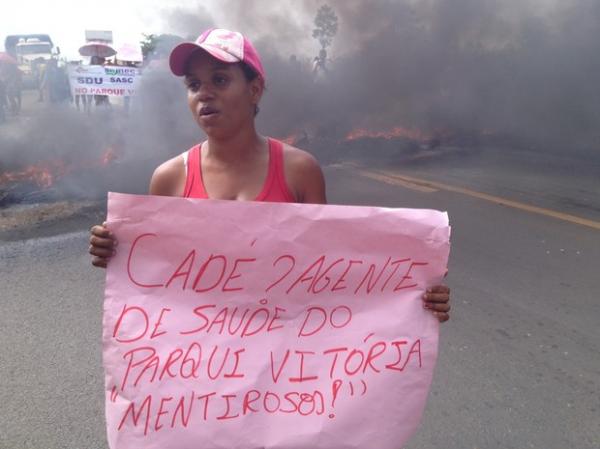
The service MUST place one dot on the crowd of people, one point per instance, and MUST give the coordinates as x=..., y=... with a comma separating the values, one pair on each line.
x=53, y=87
x=52, y=83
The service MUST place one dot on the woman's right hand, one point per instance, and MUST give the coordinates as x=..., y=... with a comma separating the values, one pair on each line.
x=102, y=245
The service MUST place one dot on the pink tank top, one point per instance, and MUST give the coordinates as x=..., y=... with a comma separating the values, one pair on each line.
x=274, y=190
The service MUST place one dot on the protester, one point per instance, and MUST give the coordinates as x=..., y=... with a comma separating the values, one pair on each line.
x=80, y=100
x=319, y=68
x=40, y=70
x=225, y=81
x=13, y=79
x=100, y=100
x=127, y=98
x=62, y=88
x=3, y=102
x=47, y=78
x=56, y=83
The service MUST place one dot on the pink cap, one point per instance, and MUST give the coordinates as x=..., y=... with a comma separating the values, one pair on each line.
x=224, y=45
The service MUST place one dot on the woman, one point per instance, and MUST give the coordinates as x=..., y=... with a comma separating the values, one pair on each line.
x=225, y=81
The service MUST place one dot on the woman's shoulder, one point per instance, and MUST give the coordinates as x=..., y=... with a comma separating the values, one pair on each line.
x=303, y=175
x=299, y=160
x=168, y=178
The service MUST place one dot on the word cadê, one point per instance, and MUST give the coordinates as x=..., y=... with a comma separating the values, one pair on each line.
x=284, y=273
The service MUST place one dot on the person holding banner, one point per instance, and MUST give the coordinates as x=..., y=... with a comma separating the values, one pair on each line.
x=100, y=100
x=225, y=81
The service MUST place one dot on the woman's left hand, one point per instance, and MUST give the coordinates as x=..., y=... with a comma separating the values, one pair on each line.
x=437, y=299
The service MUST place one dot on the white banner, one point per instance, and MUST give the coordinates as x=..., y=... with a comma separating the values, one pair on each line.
x=114, y=81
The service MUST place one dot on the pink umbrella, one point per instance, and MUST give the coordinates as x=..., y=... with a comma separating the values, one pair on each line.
x=99, y=49
x=130, y=52
x=7, y=59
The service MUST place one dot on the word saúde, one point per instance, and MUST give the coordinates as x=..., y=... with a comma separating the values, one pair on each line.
x=225, y=320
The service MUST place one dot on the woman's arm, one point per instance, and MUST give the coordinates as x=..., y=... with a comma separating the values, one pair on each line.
x=169, y=178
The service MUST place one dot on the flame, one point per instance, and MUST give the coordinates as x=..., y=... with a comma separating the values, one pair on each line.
x=42, y=175
x=45, y=174
x=109, y=156
x=361, y=133
x=291, y=139
x=395, y=132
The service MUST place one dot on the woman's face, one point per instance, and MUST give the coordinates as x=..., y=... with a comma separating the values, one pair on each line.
x=220, y=97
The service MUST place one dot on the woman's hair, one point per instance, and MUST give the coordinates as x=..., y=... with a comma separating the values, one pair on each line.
x=249, y=73
x=250, y=76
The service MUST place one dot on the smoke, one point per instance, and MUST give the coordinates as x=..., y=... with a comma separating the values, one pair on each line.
x=60, y=140
x=188, y=23
x=519, y=72
x=74, y=146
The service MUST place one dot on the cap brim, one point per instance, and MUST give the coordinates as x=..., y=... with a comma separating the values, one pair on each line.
x=182, y=52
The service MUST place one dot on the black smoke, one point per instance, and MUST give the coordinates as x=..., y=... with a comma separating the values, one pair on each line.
x=522, y=73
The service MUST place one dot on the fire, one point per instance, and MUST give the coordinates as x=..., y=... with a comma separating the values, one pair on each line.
x=109, y=156
x=395, y=132
x=361, y=133
x=291, y=139
x=45, y=174
x=42, y=175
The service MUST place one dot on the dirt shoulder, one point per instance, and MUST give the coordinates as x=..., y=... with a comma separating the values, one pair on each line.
x=45, y=219
x=23, y=222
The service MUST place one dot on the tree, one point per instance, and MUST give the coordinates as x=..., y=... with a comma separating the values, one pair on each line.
x=148, y=44
x=159, y=46
x=326, y=23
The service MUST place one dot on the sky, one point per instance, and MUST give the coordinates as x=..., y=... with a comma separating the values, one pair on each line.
x=66, y=21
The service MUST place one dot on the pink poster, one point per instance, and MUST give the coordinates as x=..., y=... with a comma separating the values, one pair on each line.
x=261, y=325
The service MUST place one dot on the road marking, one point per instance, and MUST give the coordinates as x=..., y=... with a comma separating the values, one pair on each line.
x=434, y=186
x=394, y=180
x=384, y=177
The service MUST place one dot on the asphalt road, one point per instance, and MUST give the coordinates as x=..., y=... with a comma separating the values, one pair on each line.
x=519, y=362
